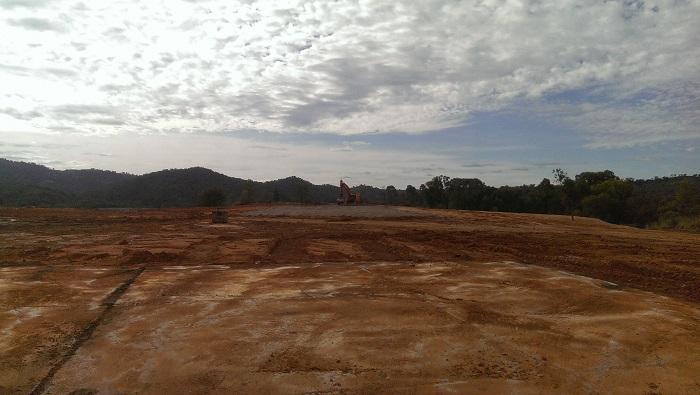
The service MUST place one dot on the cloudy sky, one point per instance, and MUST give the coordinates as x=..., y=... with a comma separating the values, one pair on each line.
x=380, y=92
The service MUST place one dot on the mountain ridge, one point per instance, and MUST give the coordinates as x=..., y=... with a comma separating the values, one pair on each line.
x=30, y=184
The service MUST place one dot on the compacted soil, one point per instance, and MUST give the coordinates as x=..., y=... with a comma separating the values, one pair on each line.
x=327, y=299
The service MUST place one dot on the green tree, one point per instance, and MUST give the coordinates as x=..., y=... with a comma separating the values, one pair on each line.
x=586, y=181
x=568, y=190
x=248, y=192
x=608, y=199
x=683, y=210
x=546, y=197
x=392, y=195
x=303, y=193
x=560, y=176
x=466, y=193
x=412, y=196
x=433, y=192
x=595, y=177
x=213, y=197
x=686, y=201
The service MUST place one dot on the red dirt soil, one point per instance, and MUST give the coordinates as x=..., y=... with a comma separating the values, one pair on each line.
x=417, y=301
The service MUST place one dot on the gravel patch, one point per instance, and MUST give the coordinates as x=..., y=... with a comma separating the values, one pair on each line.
x=333, y=210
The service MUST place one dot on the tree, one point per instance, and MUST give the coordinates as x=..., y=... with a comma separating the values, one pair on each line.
x=683, y=210
x=392, y=195
x=433, y=191
x=686, y=201
x=412, y=196
x=608, y=199
x=546, y=197
x=560, y=176
x=213, y=197
x=568, y=190
x=586, y=181
x=466, y=194
x=303, y=192
x=595, y=177
x=247, y=194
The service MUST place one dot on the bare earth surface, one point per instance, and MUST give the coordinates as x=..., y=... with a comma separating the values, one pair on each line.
x=337, y=211
x=327, y=299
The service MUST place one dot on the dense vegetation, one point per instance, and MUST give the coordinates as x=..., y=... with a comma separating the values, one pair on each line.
x=669, y=202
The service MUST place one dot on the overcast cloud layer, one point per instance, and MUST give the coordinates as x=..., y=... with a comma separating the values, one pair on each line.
x=616, y=74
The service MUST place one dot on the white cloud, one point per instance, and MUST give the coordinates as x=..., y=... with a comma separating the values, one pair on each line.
x=346, y=67
x=640, y=117
x=38, y=24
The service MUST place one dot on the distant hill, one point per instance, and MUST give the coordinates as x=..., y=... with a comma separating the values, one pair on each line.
x=66, y=181
x=28, y=184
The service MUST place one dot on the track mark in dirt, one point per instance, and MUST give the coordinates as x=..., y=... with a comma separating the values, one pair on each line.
x=275, y=245
x=87, y=332
x=39, y=275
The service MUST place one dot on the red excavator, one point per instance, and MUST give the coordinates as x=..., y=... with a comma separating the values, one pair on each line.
x=347, y=196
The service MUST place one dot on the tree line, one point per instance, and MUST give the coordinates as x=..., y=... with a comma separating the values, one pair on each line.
x=668, y=202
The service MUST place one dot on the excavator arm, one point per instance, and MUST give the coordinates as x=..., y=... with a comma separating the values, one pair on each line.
x=347, y=196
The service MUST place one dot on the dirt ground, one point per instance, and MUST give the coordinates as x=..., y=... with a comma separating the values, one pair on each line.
x=361, y=300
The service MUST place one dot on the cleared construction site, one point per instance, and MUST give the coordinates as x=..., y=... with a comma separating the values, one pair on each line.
x=343, y=299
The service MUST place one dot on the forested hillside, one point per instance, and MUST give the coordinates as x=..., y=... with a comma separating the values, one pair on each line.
x=28, y=184
x=67, y=181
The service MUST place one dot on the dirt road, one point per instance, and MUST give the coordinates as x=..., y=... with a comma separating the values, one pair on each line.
x=161, y=301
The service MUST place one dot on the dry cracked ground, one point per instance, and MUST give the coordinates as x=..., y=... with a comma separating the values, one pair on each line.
x=325, y=299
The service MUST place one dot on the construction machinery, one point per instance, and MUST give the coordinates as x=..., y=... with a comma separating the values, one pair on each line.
x=219, y=216
x=347, y=196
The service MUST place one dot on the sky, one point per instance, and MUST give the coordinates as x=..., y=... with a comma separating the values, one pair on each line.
x=376, y=92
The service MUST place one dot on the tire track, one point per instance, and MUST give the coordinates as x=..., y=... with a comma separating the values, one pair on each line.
x=87, y=332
